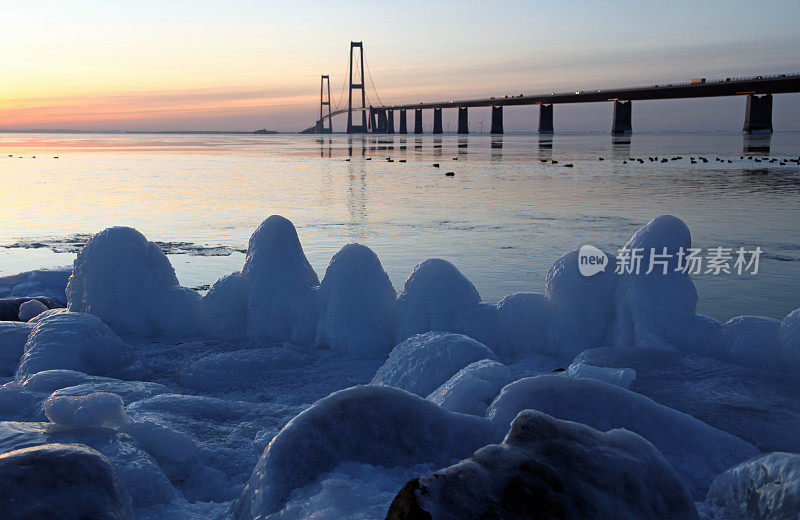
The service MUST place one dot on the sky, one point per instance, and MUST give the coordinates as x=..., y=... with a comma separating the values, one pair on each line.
x=245, y=65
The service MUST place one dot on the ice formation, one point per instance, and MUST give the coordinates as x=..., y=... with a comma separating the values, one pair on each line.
x=522, y=323
x=31, y=309
x=129, y=283
x=90, y=410
x=790, y=341
x=50, y=283
x=356, y=304
x=697, y=451
x=472, y=389
x=375, y=425
x=765, y=487
x=753, y=341
x=547, y=468
x=73, y=341
x=13, y=335
x=423, y=362
x=616, y=376
x=79, y=483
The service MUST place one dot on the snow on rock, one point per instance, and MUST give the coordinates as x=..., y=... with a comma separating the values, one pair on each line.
x=582, y=306
x=73, y=341
x=753, y=341
x=240, y=368
x=473, y=387
x=356, y=304
x=655, y=309
x=50, y=283
x=697, y=451
x=31, y=309
x=622, y=377
x=281, y=302
x=374, y=425
x=423, y=362
x=548, y=468
x=438, y=297
x=522, y=323
x=13, y=335
x=790, y=340
x=144, y=480
x=766, y=487
x=63, y=481
x=130, y=284
x=91, y=410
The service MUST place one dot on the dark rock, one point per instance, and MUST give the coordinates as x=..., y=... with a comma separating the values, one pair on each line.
x=9, y=307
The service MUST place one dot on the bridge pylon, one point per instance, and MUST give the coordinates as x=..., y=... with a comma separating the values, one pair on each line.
x=355, y=128
x=321, y=128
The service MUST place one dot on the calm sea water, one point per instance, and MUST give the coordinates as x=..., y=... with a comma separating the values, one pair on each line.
x=502, y=219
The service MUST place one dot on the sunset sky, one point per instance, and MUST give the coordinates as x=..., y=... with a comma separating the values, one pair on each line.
x=243, y=65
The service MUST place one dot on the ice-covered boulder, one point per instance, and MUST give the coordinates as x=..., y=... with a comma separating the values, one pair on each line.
x=753, y=341
x=13, y=335
x=130, y=284
x=423, y=362
x=373, y=425
x=522, y=323
x=356, y=304
x=438, y=297
x=697, y=451
x=547, y=468
x=225, y=309
x=61, y=481
x=40, y=282
x=281, y=302
x=790, y=340
x=128, y=391
x=73, y=341
x=90, y=410
x=31, y=309
x=473, y=388
x=616, y=376
x=582, y=305
x=766, y=487
x=655, y=309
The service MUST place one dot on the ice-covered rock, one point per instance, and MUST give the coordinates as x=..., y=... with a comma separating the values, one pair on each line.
x=697, y=451
x=423, y=362
x=40, y=282
x=61, y=481
x=473, y=387
x=31, y=309
x=616, y=376
x=522, y=323
x=143, y=478
x=225, y=309
x=281, y=303
x=790, y=340
x=356, y=304
x=582, y=306
x=130, y=284
x=547, y=468
x=9, y=307
x=437, y=297
x=73, y=341
x=374, y=425
x=766, y=487
x=655, y=309
x=753, y=341
x=128, y=391
x=13, y=335
x=90, y=410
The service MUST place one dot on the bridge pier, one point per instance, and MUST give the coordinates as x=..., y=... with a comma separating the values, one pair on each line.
x=463, y=121
x=546, y=118
x=390, y=121
x=403, y=122
x=497, y=119
x=417, y=120
x=622, y=118
x=758, y=116
x=382, y=121
x=437, y=120
x=372, y=122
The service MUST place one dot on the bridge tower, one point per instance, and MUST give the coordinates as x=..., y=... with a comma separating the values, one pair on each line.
x=362, y=128
x=321, y=129
x=758, y=117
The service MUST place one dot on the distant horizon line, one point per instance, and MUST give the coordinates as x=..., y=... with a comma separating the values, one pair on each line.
x=293, y=132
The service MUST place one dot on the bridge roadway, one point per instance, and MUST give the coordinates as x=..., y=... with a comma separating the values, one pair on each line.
x=760, y=85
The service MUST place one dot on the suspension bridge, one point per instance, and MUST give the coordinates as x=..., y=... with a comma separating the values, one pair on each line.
x=365, y=117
